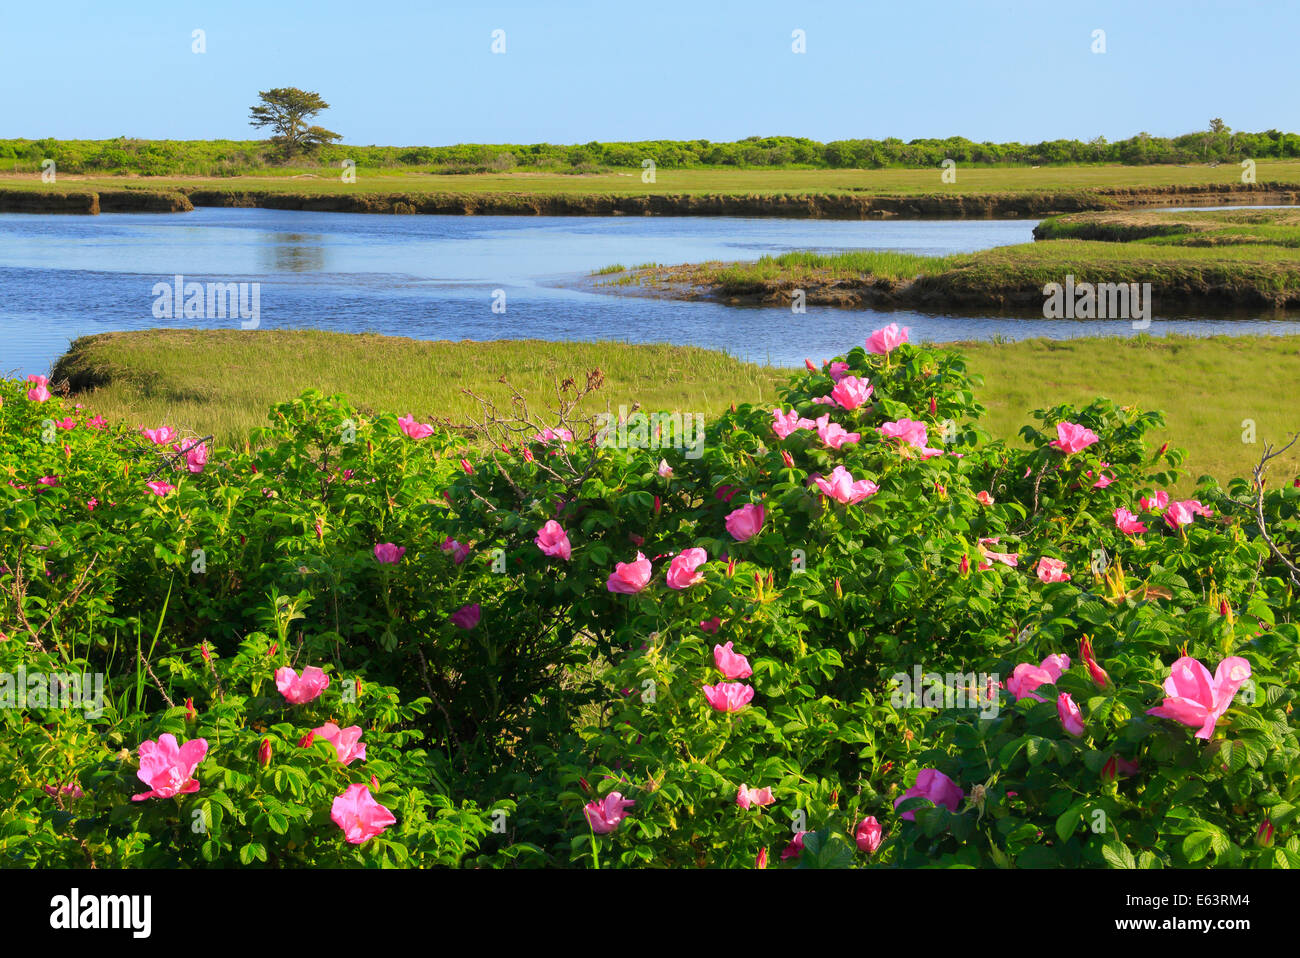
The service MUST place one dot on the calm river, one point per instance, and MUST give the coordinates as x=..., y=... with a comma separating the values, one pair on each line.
x=437, y=277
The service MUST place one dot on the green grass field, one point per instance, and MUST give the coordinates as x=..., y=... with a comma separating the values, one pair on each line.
x=1207, y=387
x=1245, y=256
x=223, y=382
x=972, y=180
x=1243, y=228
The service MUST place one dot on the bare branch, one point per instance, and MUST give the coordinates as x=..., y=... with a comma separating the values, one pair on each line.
x=1292, y=570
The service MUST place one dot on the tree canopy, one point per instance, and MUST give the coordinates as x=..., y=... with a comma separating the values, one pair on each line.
x=286, y=111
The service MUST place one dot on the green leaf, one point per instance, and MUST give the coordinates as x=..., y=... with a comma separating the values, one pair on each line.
x=1117, y=854
x=1038, y=749
x=1067, y=823
x=1011, y=750
x=1195, y=846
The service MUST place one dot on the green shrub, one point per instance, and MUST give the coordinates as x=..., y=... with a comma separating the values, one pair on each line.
x=336, y=540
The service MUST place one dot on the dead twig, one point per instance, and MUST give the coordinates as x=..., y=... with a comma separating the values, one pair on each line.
x=157, y=684
x=176, y=457
x=1292, y=570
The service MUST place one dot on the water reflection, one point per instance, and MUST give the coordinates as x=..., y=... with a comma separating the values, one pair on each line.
x=293, y=253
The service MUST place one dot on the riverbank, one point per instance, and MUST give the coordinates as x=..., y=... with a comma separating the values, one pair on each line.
x=221, y=382
x=1220, y=259
x=997, y=193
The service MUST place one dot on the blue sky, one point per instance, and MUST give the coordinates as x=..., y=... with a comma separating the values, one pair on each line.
x=401, y=73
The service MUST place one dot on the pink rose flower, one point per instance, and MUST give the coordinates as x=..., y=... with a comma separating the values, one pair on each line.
x=910, y=431
x=1195, y=698
x=851, y=392
x=467, y=616
x=682, y=572
x=605, y=815
x=459, y=553
x=554, y=541
x=1155, y=503
x=160, y=488
x=38, y=392
x=1182, y=513
x=629, y=577
x=300, y=689
x=549, y=435
x=869, y=834
x=833, y=435
x=842, y=488
x=389, y=553
x=1103, y=480
x=784, y=423
x=71, y=790
x=747, y=796
x=168, y=769
x=359, y=815
x=416, y=430
x=1011, y=559
x=160, y=436
x=729, y=696
x=1052, y=570
x=1071, y=438
x=731, y=664
x=744, y=523
x=1127, y=523
x=936, y=787
x=1070, y=715
x=196, y=456
x=346, y=741
x=884, y=341
x=1026, y=677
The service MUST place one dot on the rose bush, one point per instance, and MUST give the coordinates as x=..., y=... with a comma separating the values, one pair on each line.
x=545, y=647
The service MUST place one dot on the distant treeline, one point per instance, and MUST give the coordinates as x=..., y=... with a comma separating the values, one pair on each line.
x=234, y=157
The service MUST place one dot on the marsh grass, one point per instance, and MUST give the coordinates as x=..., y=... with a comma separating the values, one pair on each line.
x=1247, y=256
x=223, y=382
x=1202, y=228
x=791, y=267
x=794, y=182
x=1208, y=387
